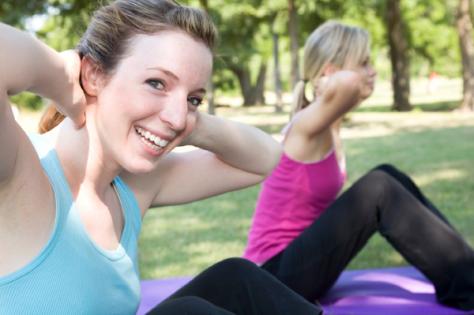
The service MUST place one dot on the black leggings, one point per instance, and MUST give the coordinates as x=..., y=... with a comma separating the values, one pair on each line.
x=235, y=286
x=388, y=201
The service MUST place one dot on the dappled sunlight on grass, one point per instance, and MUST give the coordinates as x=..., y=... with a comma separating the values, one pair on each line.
x=446, y=90
x=442, y=174
x=364, y=125
x=186, y=239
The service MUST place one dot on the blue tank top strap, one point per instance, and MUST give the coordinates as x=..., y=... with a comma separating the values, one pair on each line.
x=62, y=194
x=130, y=206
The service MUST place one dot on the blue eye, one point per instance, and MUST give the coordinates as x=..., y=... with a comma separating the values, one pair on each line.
x=195, y=101
x=156, y=84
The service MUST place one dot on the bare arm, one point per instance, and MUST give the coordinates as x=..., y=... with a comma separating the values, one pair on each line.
x=311, y=134
x=230, y=156
x=27, y=64
x=341, y=94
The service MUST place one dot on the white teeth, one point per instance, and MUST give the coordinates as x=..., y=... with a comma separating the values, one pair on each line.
x=151, y=137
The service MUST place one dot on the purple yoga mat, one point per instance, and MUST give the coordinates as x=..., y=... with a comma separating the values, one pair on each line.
x=389, y=291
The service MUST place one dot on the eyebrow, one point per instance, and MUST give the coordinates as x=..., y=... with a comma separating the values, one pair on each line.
x=175, y=77
x=167, y=72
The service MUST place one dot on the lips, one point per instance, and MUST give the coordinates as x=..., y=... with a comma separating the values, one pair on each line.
x=152, y=140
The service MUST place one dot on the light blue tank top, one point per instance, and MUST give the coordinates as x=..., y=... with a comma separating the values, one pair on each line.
x=72, y=274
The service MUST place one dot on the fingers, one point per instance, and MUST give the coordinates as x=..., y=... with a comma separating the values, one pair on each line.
x=74, y=105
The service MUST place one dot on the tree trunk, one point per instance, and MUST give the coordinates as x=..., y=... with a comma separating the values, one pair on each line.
x=243, y=75
x=211, y=108
x=251, y=94
x=276, y=73
x=294, y=46
x=464, y=27
x=260, y=85
x=398, y=57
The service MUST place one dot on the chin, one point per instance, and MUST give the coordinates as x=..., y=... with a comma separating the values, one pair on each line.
x=140, y=167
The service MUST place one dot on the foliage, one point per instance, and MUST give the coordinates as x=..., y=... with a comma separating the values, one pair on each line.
x=15, y=12
x=245, y=37
x=433, y=38
x=27, y=100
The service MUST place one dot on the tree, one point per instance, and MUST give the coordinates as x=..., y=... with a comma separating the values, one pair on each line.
x=15, y=12
x=276, y=66
x=464, y=27
x=294, y=43
x=398, y=56
x=245, y=46
x=210, y=88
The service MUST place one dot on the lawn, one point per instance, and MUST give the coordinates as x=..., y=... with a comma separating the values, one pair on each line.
x=432, y=144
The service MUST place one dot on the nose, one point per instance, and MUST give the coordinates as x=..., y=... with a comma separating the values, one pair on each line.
x=174, y=113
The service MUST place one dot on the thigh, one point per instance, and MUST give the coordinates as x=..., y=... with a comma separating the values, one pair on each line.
x=239, y=286
x=408, y=183
x=314, y=260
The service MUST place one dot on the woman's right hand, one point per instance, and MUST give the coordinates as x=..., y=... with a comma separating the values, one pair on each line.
x=72, y=104
x=340, y=82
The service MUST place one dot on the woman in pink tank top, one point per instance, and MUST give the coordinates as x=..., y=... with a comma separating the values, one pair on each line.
x=302, y=232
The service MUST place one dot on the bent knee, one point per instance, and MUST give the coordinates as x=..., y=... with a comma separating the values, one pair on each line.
x=236, y=265
x=386, y=167
x=374, y=178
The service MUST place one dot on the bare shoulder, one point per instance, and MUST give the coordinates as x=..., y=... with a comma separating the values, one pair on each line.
x=146, y=186
x=307, y=148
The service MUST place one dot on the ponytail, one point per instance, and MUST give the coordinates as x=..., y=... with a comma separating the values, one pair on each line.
x=299, y=97
x=50, y=119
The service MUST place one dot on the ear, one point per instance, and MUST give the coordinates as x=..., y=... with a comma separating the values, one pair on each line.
x=91, y=77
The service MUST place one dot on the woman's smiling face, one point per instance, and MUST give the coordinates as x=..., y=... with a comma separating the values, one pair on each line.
x=149, y=103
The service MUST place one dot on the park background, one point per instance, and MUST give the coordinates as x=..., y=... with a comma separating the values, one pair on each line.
x=420, y=117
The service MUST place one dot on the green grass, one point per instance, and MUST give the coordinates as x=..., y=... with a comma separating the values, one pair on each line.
x=436, y=148
x=432, y=144
x=439, y=159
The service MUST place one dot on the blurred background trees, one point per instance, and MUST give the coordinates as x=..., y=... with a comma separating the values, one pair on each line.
x=261, y=41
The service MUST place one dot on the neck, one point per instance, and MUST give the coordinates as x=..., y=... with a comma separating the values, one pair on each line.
x=84, y=159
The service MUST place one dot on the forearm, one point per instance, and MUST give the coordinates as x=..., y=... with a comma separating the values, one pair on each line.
x=241, y=146
x=28, y=64
x=341, y=93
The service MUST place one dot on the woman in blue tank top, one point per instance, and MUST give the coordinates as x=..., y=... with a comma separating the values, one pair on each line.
x=70, y=212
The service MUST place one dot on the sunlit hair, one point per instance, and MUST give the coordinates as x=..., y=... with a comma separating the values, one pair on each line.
x=331, y=43
x=112, y=26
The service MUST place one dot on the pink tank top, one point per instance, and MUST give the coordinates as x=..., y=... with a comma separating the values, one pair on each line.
x=291, y=198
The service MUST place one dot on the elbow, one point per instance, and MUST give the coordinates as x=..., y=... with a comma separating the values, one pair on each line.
x=277, y=150
x=272, y=157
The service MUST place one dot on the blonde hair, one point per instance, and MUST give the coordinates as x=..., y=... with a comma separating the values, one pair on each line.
x=106, y=39
x=331, y=43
